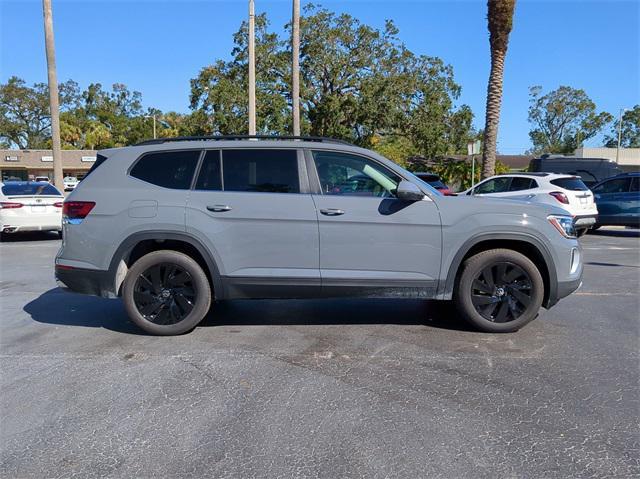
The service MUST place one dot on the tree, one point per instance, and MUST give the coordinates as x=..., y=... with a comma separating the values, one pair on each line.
x=25, y=121
x=500, y=22
x=630, y=137
x=563, y=119
x=357, y=83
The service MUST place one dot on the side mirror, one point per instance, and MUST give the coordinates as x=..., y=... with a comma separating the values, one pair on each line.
x=407, y=191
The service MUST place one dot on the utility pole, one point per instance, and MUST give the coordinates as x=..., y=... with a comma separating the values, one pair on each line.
x=295, y=67
x=252, y=69
x=622, y=110
x=54, y=104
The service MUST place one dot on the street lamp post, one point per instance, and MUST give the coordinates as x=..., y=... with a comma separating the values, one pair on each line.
x=54, y=102
x=622, y=110
x=154, y=124
x=252, y=69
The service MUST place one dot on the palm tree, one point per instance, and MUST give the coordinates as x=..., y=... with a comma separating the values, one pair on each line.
x=500, y=22
x=295, y=67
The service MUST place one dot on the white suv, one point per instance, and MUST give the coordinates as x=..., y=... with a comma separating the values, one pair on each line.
x=566, y=191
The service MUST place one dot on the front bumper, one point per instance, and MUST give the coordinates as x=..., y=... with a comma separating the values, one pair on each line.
x=85, y=281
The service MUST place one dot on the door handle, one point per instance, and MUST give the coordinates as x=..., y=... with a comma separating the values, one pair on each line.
x=219, y=208
x=331, y=212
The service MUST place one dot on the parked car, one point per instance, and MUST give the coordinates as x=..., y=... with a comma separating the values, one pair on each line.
x=30, y=206
x=566, y=191
x=618, y=200
x=42, y=178
x=435, y=181
x=171, y=225
x=70, y=182
x=591, y=170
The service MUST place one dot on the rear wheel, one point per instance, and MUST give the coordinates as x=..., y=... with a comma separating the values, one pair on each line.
x=166, y=293
x=499, y=290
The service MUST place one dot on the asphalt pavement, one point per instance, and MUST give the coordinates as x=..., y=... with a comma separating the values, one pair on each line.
x=333, y=389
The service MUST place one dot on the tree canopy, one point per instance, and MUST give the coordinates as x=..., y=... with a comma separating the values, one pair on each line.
x=630, y=133
x=563, y=119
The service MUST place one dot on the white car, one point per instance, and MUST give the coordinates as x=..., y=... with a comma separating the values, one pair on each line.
x=566, y=191
x=70, y=182
x=30, y=206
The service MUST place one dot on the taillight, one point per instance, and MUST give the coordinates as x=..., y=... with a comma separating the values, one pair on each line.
x=58, y=204
x=9, y=204
x=560, y=196
x=77, y=210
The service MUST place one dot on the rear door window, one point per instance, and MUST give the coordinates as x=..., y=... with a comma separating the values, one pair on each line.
x=210, y=176
x=260, y=170
x=519, y=184
x=496, y=185
x=635, y=184
x=572, y=184
x=169, y=169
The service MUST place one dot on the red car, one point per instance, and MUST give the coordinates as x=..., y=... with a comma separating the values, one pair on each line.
x=436, y=182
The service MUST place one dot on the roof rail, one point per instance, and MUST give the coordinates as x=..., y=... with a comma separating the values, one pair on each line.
x=319, y=139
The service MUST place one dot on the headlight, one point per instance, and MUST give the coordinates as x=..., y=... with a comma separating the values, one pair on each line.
x=564, y=224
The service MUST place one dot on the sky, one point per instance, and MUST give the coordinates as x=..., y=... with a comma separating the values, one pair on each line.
x=156, y=47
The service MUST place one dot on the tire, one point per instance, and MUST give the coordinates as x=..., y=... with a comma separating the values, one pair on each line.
x=581, y=232
x=166, y=293
x=59, y=234
x=514, y=299
x=595, y=228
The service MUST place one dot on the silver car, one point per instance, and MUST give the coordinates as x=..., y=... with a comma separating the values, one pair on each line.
x=173, y=225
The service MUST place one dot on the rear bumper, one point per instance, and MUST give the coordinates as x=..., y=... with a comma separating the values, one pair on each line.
x=585, y=220
x=85, y=281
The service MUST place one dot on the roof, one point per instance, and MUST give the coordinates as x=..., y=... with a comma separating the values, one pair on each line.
x=315, y=139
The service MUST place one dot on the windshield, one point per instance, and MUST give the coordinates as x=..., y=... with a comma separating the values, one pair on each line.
x=30, y=189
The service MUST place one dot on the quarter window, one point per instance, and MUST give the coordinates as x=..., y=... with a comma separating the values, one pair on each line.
x=169, y=169
x=266, y=171
x=350, y=175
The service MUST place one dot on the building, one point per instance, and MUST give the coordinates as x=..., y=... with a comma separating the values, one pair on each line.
x=27, y=164
x=628, y=158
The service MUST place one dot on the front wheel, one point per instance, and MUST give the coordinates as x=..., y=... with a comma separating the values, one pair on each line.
x=166, y=293
x=499, y=291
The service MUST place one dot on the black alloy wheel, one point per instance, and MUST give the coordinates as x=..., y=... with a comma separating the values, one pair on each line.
x=165, y=293
x=502, y=292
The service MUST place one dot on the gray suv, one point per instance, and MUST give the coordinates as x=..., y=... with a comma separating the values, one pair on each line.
x=172, y=225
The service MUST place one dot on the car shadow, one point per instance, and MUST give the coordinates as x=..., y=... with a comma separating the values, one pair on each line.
x=61, y=308
x=618, y=233
x=29, y=236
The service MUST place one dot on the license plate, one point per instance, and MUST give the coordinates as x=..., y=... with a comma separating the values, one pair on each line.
x=584, y=201
x=38, y=209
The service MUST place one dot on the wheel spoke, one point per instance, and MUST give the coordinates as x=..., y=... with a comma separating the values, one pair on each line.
x=501, y=271
x=482, y=286
x=179, y=279
x=151, y=308
x=488, y=310
x=487, y=274
x=501, y=317
x=169, y=269
x=512, y=275
x=479, y=300
x=185, y=305
x=521, y=297
x=143, y=297
x=156, y=281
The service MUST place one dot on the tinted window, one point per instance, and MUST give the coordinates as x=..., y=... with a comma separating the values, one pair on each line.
x=619, y=185
x=99, y=160
x=169, y=169
x=350, y=175
x=267, y=171
x=519, y=184
x=573, y=184
x=30, y=189
x=209, y=177
x=635, y=184
x=497, y=185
